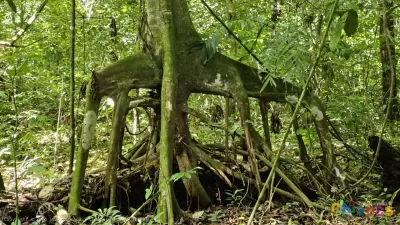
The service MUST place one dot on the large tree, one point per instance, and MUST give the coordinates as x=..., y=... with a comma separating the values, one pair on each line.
x=172, y=61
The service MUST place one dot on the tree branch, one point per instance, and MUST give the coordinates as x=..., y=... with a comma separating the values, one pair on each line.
x=27, y=26
x=392, y=9
x=233, y=35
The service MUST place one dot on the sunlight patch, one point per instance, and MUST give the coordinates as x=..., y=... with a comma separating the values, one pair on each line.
x=110, y=102
x=169, y=106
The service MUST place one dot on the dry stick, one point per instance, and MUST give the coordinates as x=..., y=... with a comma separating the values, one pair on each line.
x=261, y=196
x=86, y=209
x=205, y=157
x=58, y=122
x=140, y=207
x=231, y=32
x=72, y=100
x=320, y=188
x=13, y=146
x=389, y=103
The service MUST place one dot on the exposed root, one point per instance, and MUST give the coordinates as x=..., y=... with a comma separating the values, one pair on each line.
x=221, y=167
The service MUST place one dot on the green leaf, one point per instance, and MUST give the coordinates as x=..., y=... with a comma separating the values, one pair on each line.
x=211, y=47
x=175, y=177
x=188, y=175
x=3, y=94
x=23, y=69
x=337, y=31
x=351, y=23
x=268, y=80
x=51, y=174
x=18, y=222
x=38, y=169
x=301, y=132
x=148, y=192
x=215, y=40
x=12, y=5
x=195, y=46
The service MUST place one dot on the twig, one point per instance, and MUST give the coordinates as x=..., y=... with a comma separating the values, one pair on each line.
x=13, y=146
x=140, y=207
x=231, y=33
x=86, y=209
x=28, y=24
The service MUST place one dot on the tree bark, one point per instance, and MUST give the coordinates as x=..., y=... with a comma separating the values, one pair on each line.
x=168, y=109
x=120, y=110
x=88, y=129
x=187, y=160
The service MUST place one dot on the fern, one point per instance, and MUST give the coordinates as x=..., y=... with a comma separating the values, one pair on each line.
x=106, y=216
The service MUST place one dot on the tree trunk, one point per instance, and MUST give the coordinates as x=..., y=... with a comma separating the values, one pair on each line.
x=302, y=147
x=187, y=160
x=72, y=103
x=117, y=135
x=170, y=58
x=388, y=61
x=88, y=129
x=168, y=109
x=2, y=186
x=264, y=116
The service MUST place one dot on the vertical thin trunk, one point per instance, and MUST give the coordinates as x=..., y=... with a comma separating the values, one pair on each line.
x=72, y=110
x=226, y=127
x=2, y=186
x=302, y=147
x=388, y=60
x=232, y=16
x=264, y=116
x=113, y=155
x=88, y=129
x=168, y=109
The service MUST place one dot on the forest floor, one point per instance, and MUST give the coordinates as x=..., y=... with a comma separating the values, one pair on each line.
x=279, y=214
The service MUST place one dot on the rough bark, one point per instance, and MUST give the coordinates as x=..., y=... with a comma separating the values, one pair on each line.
x=117, y=135
x=187, y=160
x=136, y=71
x=168, y=108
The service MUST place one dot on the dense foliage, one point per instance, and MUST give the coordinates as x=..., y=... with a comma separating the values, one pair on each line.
x=35, y=73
